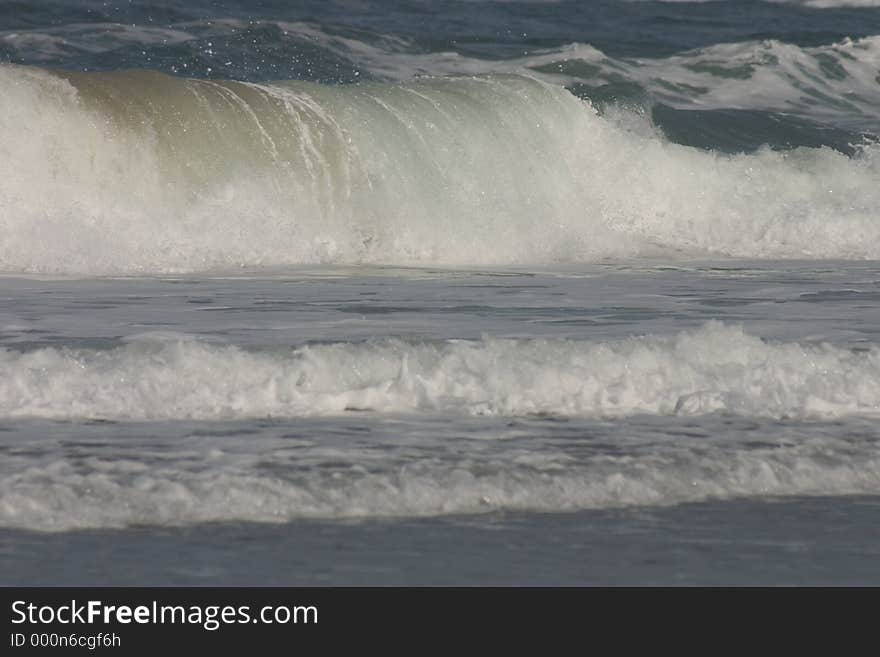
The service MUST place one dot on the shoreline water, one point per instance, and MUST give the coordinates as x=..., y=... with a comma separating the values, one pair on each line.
x=792, y=542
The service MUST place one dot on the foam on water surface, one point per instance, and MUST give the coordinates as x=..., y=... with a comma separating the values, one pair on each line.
x=715, y=369
x=102, y=476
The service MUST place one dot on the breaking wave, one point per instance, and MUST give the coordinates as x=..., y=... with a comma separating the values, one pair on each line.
x=137, y=172
x=715, y=369
x=63, y=496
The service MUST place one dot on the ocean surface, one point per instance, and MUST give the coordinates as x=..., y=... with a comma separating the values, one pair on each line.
x=455, y=292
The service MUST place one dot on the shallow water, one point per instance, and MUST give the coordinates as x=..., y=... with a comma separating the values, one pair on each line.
x=796, y=542
x=340, y=393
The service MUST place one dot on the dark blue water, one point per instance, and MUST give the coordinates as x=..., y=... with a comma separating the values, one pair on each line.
x=326, y=42
x=495, y=30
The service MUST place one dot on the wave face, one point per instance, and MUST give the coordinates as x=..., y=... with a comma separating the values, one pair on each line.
x=715, y=369
x=137, y=172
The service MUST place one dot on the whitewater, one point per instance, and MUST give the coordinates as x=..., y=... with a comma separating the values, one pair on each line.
x=152, y=174
x=335, y=295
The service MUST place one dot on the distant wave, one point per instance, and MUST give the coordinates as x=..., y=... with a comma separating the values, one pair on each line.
x=832, y=81
x=137, y=172
x=836, y=83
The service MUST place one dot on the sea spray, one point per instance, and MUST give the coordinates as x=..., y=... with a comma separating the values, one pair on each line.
x=137, y=172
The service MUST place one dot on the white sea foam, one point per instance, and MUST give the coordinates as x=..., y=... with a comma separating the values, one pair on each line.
x=716, y=369
x=140, y=173
x=419, y=450
x=183, y=487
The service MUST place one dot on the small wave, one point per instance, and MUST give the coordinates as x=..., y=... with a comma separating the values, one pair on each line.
x=715, y=369
x=124, y=492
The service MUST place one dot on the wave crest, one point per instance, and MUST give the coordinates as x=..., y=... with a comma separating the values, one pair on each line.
x=715, y=369
x=137, y=172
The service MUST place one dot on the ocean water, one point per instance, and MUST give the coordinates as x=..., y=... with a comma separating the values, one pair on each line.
x=467, y=292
